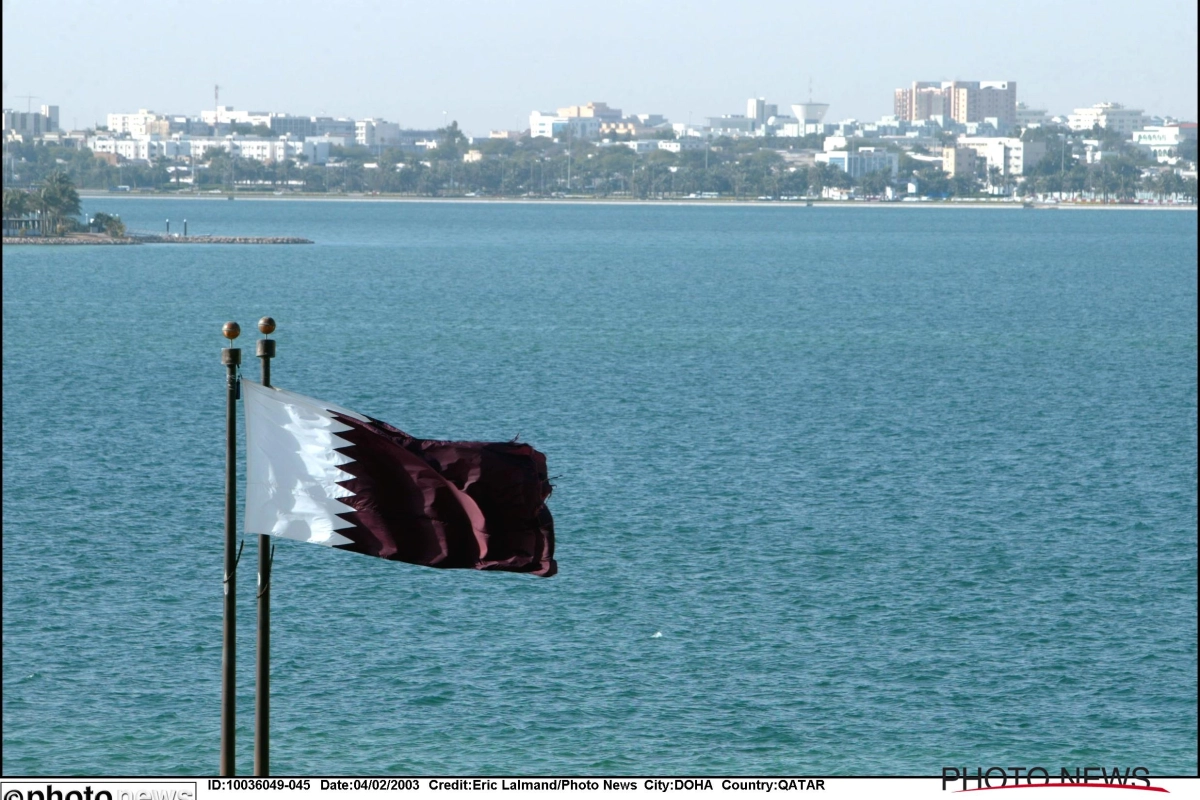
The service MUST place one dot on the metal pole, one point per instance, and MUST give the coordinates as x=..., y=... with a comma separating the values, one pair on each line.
x=266, y=552
x=231, y=357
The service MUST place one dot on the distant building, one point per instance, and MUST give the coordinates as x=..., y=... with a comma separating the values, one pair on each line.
x=1031, y=117
x=1162, y=141
x=959, y=161
x=331, y=126
x=73, y=140
x=756, y=109
x=228, y=115
x=630, y=126
x=545, y=125
x=642, y=146
x=142, y=123
x=372, y=132
x=861, y=162
x=289, y=125
x=31, y=123
x=732, y=125
x=594, y=110
x=680, y=145
x=143, y=148
x=1110, y=116
x=961, y=101
x=1010, y=155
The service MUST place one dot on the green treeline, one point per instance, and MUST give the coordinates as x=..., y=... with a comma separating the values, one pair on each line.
x=734, y=168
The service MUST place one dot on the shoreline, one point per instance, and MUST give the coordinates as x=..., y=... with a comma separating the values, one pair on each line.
x=707, y=202
x=76, y=241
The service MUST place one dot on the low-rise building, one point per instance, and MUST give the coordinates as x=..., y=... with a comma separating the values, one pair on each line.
x=1162, y=141
x=141, y=123
x=863, y=161
x=1110, y=116
x=1010, y=155
x=551, y=126
x=228, y=115
x=642, y=146
x=372, y=132
x=959, y=161
x=732, y=125
x=143, y=148
x=593, y=110
x=680, y=145
x=1031, y=117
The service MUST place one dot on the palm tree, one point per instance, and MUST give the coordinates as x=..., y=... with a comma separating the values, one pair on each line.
x=16, y=203
x=57, y=199
x=994, y=177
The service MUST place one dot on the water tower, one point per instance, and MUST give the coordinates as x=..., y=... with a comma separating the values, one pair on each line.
x=809, y=113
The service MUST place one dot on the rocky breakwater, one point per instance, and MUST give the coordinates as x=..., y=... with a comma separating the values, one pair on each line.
x=70, y=240
x=153, y=239
x=167, y=239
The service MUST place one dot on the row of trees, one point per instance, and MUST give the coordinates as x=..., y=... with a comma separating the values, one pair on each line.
x=740, y=168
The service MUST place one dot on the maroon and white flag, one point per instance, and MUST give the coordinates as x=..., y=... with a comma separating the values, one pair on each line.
x=320, y=473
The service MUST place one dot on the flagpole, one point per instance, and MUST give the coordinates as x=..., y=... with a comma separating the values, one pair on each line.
x=266, y=552
x=231, y=357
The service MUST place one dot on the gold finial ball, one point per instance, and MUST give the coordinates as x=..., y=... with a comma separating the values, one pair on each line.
x=266, y=325
x=231, y=330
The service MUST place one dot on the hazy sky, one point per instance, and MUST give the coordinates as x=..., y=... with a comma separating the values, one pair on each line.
x=488, y=64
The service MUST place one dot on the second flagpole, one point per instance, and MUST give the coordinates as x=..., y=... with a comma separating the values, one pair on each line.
x=231, y=357
x=266, y=554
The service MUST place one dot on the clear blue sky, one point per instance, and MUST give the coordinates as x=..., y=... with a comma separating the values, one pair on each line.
x=488, y=64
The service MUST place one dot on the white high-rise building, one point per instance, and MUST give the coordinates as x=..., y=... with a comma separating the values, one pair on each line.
x=756, y=109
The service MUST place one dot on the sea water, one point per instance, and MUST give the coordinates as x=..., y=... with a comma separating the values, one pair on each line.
x=837, y=491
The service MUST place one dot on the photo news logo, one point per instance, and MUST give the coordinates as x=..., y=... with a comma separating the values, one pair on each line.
x=1012, y=777
x=100, y=791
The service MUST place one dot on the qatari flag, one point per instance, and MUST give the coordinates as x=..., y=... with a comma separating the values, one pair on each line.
x=320, y=473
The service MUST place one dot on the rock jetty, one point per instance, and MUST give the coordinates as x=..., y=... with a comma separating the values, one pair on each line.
x=166, y=239
x=154, y=239
x=64, y=240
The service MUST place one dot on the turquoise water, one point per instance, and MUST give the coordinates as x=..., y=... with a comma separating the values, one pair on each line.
x=899, y=488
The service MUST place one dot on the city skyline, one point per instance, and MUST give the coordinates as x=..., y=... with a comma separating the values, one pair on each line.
x=489, y=67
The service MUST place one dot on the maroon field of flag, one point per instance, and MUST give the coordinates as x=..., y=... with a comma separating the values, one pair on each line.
x=320, y=473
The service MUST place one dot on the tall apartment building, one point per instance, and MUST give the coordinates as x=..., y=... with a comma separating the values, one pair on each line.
x=31, y=123
x=961, y=101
